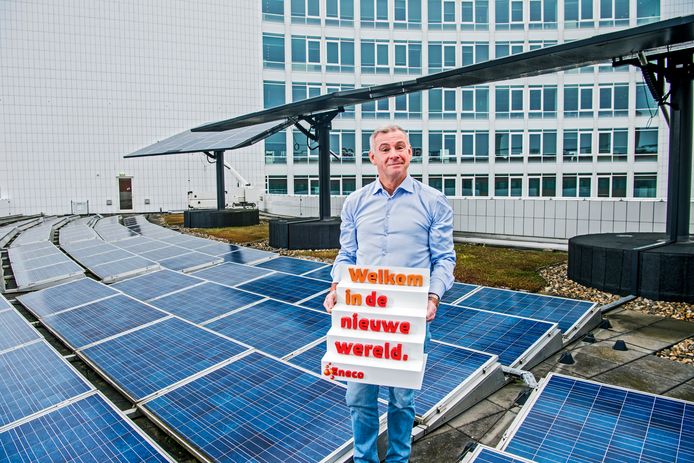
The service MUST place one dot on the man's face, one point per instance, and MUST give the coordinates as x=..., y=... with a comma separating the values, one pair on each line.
x=391, y=155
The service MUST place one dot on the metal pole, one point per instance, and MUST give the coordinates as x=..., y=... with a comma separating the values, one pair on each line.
x=323, y=128
x=221, y=192
x=680, y=160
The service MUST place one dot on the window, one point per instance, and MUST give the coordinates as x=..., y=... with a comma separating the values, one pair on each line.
x=647, y=11
x=374, y=14
x=408, y=106
x=407, y=14
x=374, y=57
x=306, y=11
x=474, y=14
x=578, y=13
x=276, y=148
x=305, y=185
x=544, y=185
x=474, y=52
x=444, y=183
x=508, y=185
x=578, y=145
x=415, y=137
x=645, y=185
x=477, y=185
x=343, y=144
x=537, y=44
x=442, y=104
x=614, y=100
x=408, y=57
x=441, y=56
x=509, y=14
x=379, y=109
x=612, y=145
x=442, y=148
x=366, y=179
x=276, y=185
x=645, y=104
x=340, y=55
x=578, y=101
x=543, y=14
x=339, y=13
x=614, y=12
x=475, y=146
x=576, y=186
x=502, y=49
x=509, y=102
x=273, y=93
x=365, y=146
x=300, y=148
x=343, y=185
x=273, y=51
x=273, y=10
x=508, y=146
x=441, y=14
x=306, y=53
x=542, y=146
x=612, y=185
x=542, y=101
x=475, y=103
x=304, y=90
x=646, y=144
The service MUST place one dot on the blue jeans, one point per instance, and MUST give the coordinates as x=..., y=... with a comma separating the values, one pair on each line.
x=362, y=400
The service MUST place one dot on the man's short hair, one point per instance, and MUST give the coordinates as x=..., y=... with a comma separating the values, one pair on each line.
x=386, y=129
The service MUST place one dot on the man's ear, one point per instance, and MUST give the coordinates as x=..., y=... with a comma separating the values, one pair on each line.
x=372, y=157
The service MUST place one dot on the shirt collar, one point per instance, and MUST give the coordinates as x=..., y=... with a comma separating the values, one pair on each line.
x=406, y=185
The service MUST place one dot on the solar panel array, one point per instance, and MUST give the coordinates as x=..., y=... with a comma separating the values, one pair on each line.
x=571, y=419
x=291, y=265
x=38, y=233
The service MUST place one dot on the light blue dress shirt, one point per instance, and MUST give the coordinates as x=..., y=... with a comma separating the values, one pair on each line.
x=411, y=228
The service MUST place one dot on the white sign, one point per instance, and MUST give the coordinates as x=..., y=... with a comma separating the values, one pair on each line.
x=378, y=327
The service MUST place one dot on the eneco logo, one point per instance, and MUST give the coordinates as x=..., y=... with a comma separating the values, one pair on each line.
x=332, y=372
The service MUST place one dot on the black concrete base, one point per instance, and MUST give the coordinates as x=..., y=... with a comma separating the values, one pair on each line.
x=213, y=218
x=607, y=262
x=305, y=233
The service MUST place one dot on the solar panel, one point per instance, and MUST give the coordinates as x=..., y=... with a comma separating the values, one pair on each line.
x=15, y=330
x=142, y=245
x=287, y=288
x=238, y=413
x=164, y=253
x=457, y=291
x=47, y=274
x=58, y=298
x=206, y=301
x=231, y=274
x=113, y=255
x=100, y=320
x=190, y=262
x=274, y=327
x=4, y=304
x=310, y=359
x=246, y=256
x=484, y=454
x=43, y=261
x=291, y=265
x=564, y=312
x=34, y=377
x=120, y=269
x=511, y=338
x=217, y=249
x=88, y=430
x=151, y=285
x=571, y=419
x=315, y=303
x=322, y=273
x=149, y=359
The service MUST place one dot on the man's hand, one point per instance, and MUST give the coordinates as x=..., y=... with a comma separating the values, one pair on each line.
x=330, y=301
x=432, y=306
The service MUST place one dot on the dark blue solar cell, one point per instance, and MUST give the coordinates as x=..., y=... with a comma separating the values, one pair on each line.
x=155, y=284
x=35, y=377
x=246, y=255
x=88, y=430
x=563, y=312
x=457, y=291
x=503, y=335
x=577, y=420
x=190, y=261
x=100, y=320
x=15, y=330
x=310, y=359
x=287, y=288
x=322, y=273
x=240, y=413
x=206, y=301
x=291, y=265
x=149, y=359
x=231, y=274
x=315, y=302
x=274, y=327
x=487, y=455
x=57, y=298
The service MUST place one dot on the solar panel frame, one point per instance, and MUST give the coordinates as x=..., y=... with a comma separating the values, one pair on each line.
x=121, y=269
x=62, y=297
x=275, y=285
x=156, y=284
x=231, y=274
x=291, y=265
x=322, y=273
x=15, y=330
x=457, y=291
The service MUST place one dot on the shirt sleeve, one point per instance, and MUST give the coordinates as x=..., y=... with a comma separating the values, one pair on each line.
x=441, y=248
x=348, y=241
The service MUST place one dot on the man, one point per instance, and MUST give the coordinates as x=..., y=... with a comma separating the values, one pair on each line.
x=394, y=221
